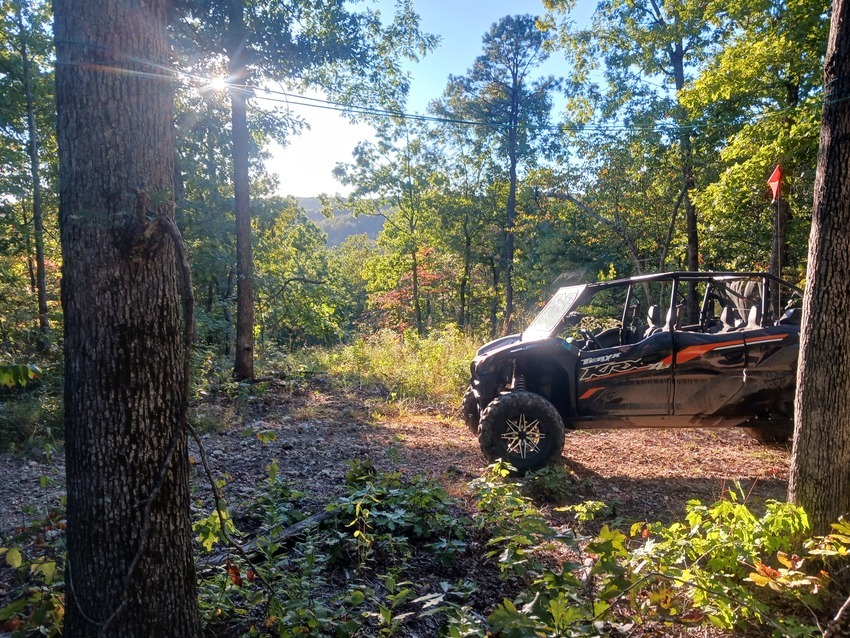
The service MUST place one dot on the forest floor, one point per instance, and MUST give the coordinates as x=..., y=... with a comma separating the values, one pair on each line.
x=313, y=430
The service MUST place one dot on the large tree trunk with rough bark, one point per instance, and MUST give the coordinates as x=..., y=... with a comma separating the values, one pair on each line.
x=820, y=466
x=130, y=569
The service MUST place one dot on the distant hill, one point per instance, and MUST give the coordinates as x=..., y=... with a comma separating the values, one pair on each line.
x=343, y=224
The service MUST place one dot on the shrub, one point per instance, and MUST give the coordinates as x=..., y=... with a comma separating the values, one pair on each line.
x=434, y=369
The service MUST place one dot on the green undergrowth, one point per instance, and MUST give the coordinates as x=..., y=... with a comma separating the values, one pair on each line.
x=398, y=556
x=432, y=369
x=31, y=405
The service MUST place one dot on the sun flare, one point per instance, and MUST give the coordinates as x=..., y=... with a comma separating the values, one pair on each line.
x=218, y=84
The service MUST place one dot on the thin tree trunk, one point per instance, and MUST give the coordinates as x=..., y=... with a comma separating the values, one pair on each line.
x=35, y=177
x=494, y=305
x=510, y=243
x=227, y=316
x=130, y=569
x=417, y=302
x=677, y=63
x=820, y=463
x=463, y=313
x=243, y=367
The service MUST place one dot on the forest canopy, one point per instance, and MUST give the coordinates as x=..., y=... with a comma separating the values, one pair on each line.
x=674, y=119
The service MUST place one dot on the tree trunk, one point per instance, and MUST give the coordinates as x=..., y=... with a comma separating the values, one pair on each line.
x=417, y=302
x=243, y=367
x=130, y=569
x=35, y=177
x=494, y=304
x=677, y=63
x=510, y=243
x=820, y=463
x=463, y=313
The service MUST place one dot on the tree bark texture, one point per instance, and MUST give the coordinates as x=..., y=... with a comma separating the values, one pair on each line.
x=820, y=465
x=244, y=364
x=243, y=367
x=130, y=569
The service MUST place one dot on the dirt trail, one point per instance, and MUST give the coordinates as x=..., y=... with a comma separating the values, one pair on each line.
x=313, y=431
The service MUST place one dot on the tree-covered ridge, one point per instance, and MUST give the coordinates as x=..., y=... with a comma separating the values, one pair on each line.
x=342, y=223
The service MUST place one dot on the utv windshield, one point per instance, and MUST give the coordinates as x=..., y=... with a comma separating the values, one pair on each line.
x=550, y=317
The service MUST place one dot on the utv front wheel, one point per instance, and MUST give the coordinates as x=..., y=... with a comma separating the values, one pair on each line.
x=469, y=408
x=523, y=429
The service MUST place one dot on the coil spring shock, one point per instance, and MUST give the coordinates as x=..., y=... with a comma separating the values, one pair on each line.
x=519, y=382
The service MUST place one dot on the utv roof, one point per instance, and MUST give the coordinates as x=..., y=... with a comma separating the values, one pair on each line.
x=690, y=275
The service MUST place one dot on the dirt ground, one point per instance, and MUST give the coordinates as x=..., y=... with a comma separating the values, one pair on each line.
x=311, y=431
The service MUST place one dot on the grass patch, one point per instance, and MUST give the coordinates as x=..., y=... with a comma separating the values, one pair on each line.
x=406, y=367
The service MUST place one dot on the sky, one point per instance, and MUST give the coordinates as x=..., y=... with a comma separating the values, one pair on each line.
x=304, y=166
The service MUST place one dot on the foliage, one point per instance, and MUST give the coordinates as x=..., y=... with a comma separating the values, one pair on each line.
x=714, y=568
x=386, y=513
x=298, y=296
x=749, y=98
x=760, y=99
x=37, y=604
x=381, y=524
x=31, y=405
x=19, y=374
x=41, y=609
x=552, y=484
x=501, y=93
x=396, y=178
x=356, y=573
x=520, y=534
x=405, y=366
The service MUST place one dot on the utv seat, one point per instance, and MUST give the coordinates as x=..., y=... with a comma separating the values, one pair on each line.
x=671, y=322
x=728, y=319
x=653, y=318
x=753, y=319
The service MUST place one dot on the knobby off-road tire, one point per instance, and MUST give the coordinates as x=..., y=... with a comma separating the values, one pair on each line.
x=469, y=408
x=523, y=429
x=770, y=430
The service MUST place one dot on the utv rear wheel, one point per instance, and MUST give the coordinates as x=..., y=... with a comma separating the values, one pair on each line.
x=469, y=408
x=523, y=429
x=770, y=430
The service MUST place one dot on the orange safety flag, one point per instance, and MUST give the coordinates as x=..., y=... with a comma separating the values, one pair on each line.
x=773, y=182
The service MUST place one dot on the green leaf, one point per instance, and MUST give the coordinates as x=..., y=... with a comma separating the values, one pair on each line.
x=46, y=568
x=13, y=558
x=13, y=608
x=18, y=374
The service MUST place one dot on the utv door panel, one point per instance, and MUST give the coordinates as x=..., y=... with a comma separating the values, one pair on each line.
x=627, y=380
x=763, y=343
x=708, y=371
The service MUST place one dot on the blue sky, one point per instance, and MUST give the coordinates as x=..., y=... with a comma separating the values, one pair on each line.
x=305, y=166
x=461, y=24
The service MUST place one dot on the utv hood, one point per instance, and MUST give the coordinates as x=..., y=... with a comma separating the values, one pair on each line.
x=498, y=344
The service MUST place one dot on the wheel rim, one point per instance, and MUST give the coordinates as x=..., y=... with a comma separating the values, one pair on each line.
x=523, y=437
